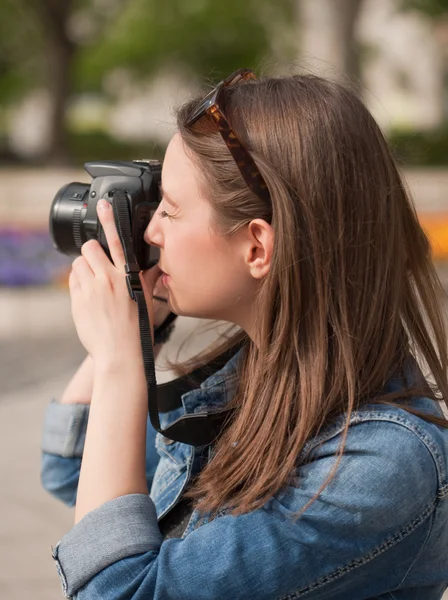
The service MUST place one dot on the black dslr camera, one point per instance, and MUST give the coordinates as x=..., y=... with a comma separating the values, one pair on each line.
x=73, y=217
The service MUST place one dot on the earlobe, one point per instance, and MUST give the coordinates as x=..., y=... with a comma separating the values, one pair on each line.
x=261, y=239
x=259, y=269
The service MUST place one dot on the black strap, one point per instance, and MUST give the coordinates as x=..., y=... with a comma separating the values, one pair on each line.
x=163, y=331
x=199, y=429
x=169, y=394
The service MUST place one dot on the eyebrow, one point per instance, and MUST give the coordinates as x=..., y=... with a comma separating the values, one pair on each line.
x=166, y=197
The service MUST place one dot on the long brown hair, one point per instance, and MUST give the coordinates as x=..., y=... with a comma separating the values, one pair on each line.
x=352, y=291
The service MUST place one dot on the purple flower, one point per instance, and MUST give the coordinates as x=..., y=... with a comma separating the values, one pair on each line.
x=28, y=257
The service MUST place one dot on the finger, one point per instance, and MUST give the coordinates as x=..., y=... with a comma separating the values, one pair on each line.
x=82, y=269
x=106, y=217
x=96, y=257
x=73, y=282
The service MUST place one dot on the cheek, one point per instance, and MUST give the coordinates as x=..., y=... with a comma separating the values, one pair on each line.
x=193, y=259
x=203, y=279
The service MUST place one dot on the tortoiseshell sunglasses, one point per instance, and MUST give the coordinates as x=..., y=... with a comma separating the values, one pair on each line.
x=245, y=162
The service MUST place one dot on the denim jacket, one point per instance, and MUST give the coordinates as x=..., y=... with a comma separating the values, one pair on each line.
x=378, y=530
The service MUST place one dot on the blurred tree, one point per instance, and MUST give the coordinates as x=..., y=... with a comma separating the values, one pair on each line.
x=52, y=16
x=208, y=37
x=53, y=47
x=20, y=47
x=71, y=45
x=37, y=50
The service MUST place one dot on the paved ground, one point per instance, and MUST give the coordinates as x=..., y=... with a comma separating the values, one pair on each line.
x=38, y=353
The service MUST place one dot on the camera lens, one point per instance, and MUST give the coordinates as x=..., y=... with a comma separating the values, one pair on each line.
x=66, y=217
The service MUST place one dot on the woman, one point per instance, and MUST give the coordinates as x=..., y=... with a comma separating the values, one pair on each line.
x=282, y=212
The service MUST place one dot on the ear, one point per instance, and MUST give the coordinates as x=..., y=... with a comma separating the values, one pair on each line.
x=259, y=248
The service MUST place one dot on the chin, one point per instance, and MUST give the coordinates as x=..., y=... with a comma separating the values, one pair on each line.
x=192, y=310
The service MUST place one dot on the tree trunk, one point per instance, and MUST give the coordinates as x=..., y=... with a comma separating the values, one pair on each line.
x=328, y=37
x=60, y=62
x=53, y=16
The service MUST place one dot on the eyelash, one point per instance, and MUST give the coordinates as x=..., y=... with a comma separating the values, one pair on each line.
x=164, y=214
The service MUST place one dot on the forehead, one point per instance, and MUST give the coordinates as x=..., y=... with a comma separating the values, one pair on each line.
x=180, y=177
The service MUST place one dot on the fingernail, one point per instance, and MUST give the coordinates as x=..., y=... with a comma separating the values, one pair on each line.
x=103, y=205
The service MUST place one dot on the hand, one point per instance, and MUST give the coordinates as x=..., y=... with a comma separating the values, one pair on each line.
x=105, y=317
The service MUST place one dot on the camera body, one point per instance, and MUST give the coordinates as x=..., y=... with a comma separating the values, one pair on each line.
x=73, y=216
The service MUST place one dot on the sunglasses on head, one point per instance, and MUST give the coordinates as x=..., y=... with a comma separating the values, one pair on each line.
x=244, y=161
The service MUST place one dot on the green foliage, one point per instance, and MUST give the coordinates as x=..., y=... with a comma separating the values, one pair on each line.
x=101, y=146
x=93, y=145
x=421, y=148
x=432, y=8
x=209, y=38
x=204, y=37
x=21, y=48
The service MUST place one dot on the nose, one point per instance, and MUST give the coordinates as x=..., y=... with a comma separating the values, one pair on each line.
x=153, y=233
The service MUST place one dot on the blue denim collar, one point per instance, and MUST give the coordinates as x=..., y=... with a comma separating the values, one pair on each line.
x=217, y=390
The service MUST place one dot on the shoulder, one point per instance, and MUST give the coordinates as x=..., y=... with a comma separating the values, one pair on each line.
x=381, y=426
x=393, y=466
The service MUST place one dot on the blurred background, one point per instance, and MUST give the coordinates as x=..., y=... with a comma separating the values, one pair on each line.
x=98, y=79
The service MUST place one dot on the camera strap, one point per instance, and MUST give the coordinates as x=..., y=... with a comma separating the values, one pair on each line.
x=200, y=429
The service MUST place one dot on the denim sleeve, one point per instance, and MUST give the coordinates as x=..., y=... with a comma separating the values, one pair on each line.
x=63, y=438
x=374, y=514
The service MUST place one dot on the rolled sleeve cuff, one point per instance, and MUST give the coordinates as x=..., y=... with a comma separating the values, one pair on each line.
x=122, y=527
x=64, y=430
